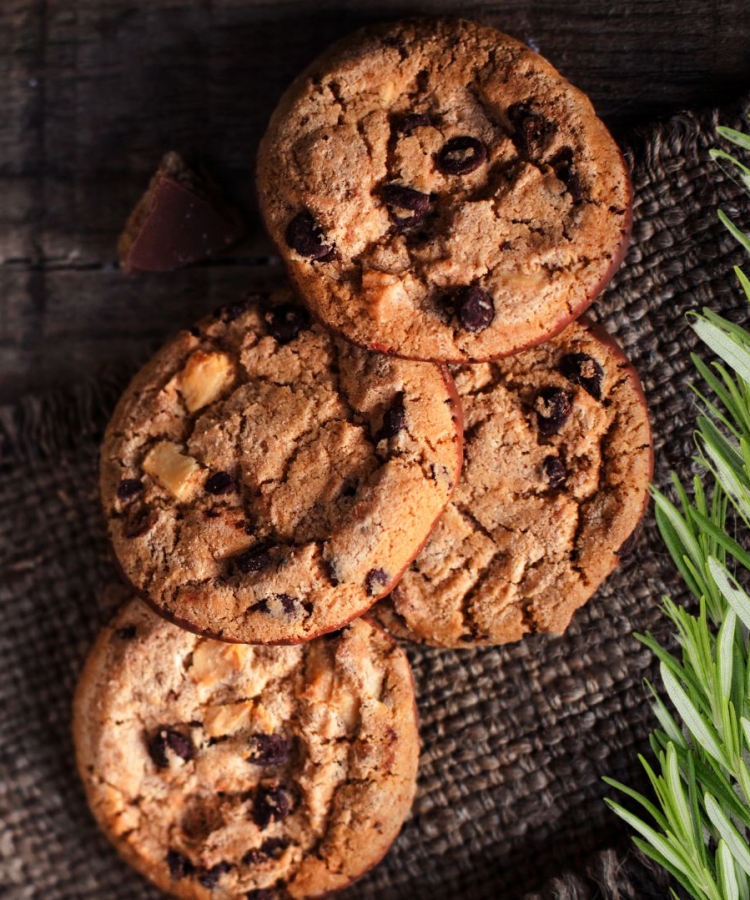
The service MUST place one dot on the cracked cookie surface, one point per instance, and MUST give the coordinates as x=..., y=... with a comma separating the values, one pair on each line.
x=265, y=482
x=232, y=771
x=558, y=458
x=438, y=191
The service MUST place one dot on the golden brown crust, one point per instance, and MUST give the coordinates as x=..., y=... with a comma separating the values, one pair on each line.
x=538, y=520
x=540, y=226
x=341, y=744
x=265, y=482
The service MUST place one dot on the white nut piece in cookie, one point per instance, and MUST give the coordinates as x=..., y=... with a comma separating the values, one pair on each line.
x=289, y=477
x=288, y=778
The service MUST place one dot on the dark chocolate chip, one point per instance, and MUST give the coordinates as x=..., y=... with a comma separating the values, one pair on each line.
x=255, y=559
x=394, y=419
x=554, y=471
x=129, y=488
x=126, y=633
x=376, y=580
x=284, y=323
x=406, y=207
x=179, y=865
x=220, y=483
x=274, y=847
x=211, y=513
x=565, y=169
x=289, y=605
x=467, y=638
x=210, y=878
x=272, y=804
x=553, y=406
x=167, y=738
x=533, y=131
x=268, y=750
x=475, y=308
x=230, y=312
x=410, y=122
x=461, y=155
x=261, y=894
x=304, y=235
x=582, y=369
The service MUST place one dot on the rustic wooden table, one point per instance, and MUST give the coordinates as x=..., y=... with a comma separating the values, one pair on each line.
x=92, y=92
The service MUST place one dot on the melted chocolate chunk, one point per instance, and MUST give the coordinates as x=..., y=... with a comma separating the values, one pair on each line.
x=284, y=323
x=272, y=804
x=304, y=235
x=565, y=169
x=461, y=155
x=406, y=207
x=268, y=750
x=553, y=407
x=210, y=879
x=376, y=580
x=255, y=559
x=475, y=308
x=394, y=419
x=555, y=472
x=126, y=633
x=220, y=483
x=129, y=488
x=179, y=865
x=532, y=131
x=410, y=122
x=584, y=370
x=164, y=739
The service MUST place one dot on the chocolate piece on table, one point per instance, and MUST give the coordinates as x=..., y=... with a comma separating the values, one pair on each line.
x=181, y=219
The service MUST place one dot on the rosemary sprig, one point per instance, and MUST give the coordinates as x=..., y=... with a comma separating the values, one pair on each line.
x=698, y=825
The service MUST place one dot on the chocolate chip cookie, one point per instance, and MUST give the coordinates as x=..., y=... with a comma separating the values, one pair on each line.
x=558, y=460
x=240, y=771
x=438, y=191
x=266, y=482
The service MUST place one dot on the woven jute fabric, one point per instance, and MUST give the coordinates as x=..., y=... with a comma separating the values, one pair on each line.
x=515, y=739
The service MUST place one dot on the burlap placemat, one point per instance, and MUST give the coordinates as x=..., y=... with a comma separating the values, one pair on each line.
x=516, y=739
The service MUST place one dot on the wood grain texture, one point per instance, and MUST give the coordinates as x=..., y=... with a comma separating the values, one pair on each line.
x=94, y=91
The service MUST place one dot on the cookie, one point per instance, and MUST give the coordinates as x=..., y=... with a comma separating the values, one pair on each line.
x=266, y=482
x=439, y=191
x=558, y=458
x=233, y=771
x=181, y=219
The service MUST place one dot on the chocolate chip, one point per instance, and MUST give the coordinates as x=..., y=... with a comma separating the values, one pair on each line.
x=255, y=559
x=261, y=894
x=475, y=308
x=467, y=638
x=211, y=513
x=268, y=750
x=272, y=804
x=628, y=545
x=553, y=406
x=304, y=235
x=179, y=865
x=376, y=580
x=220, y=483
x=461, y=155
x=410, y=122
x=555, y=471
x=129, y=488
x=289, y=605
x=274, y=847
x=394, y=419
x=406, y=207
x=533, y=131
x=284, y=323
x=167, y=738
x=210, y=878
x=230, y=312
x=582, y=369
x=126, y=633
x=565, y=169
